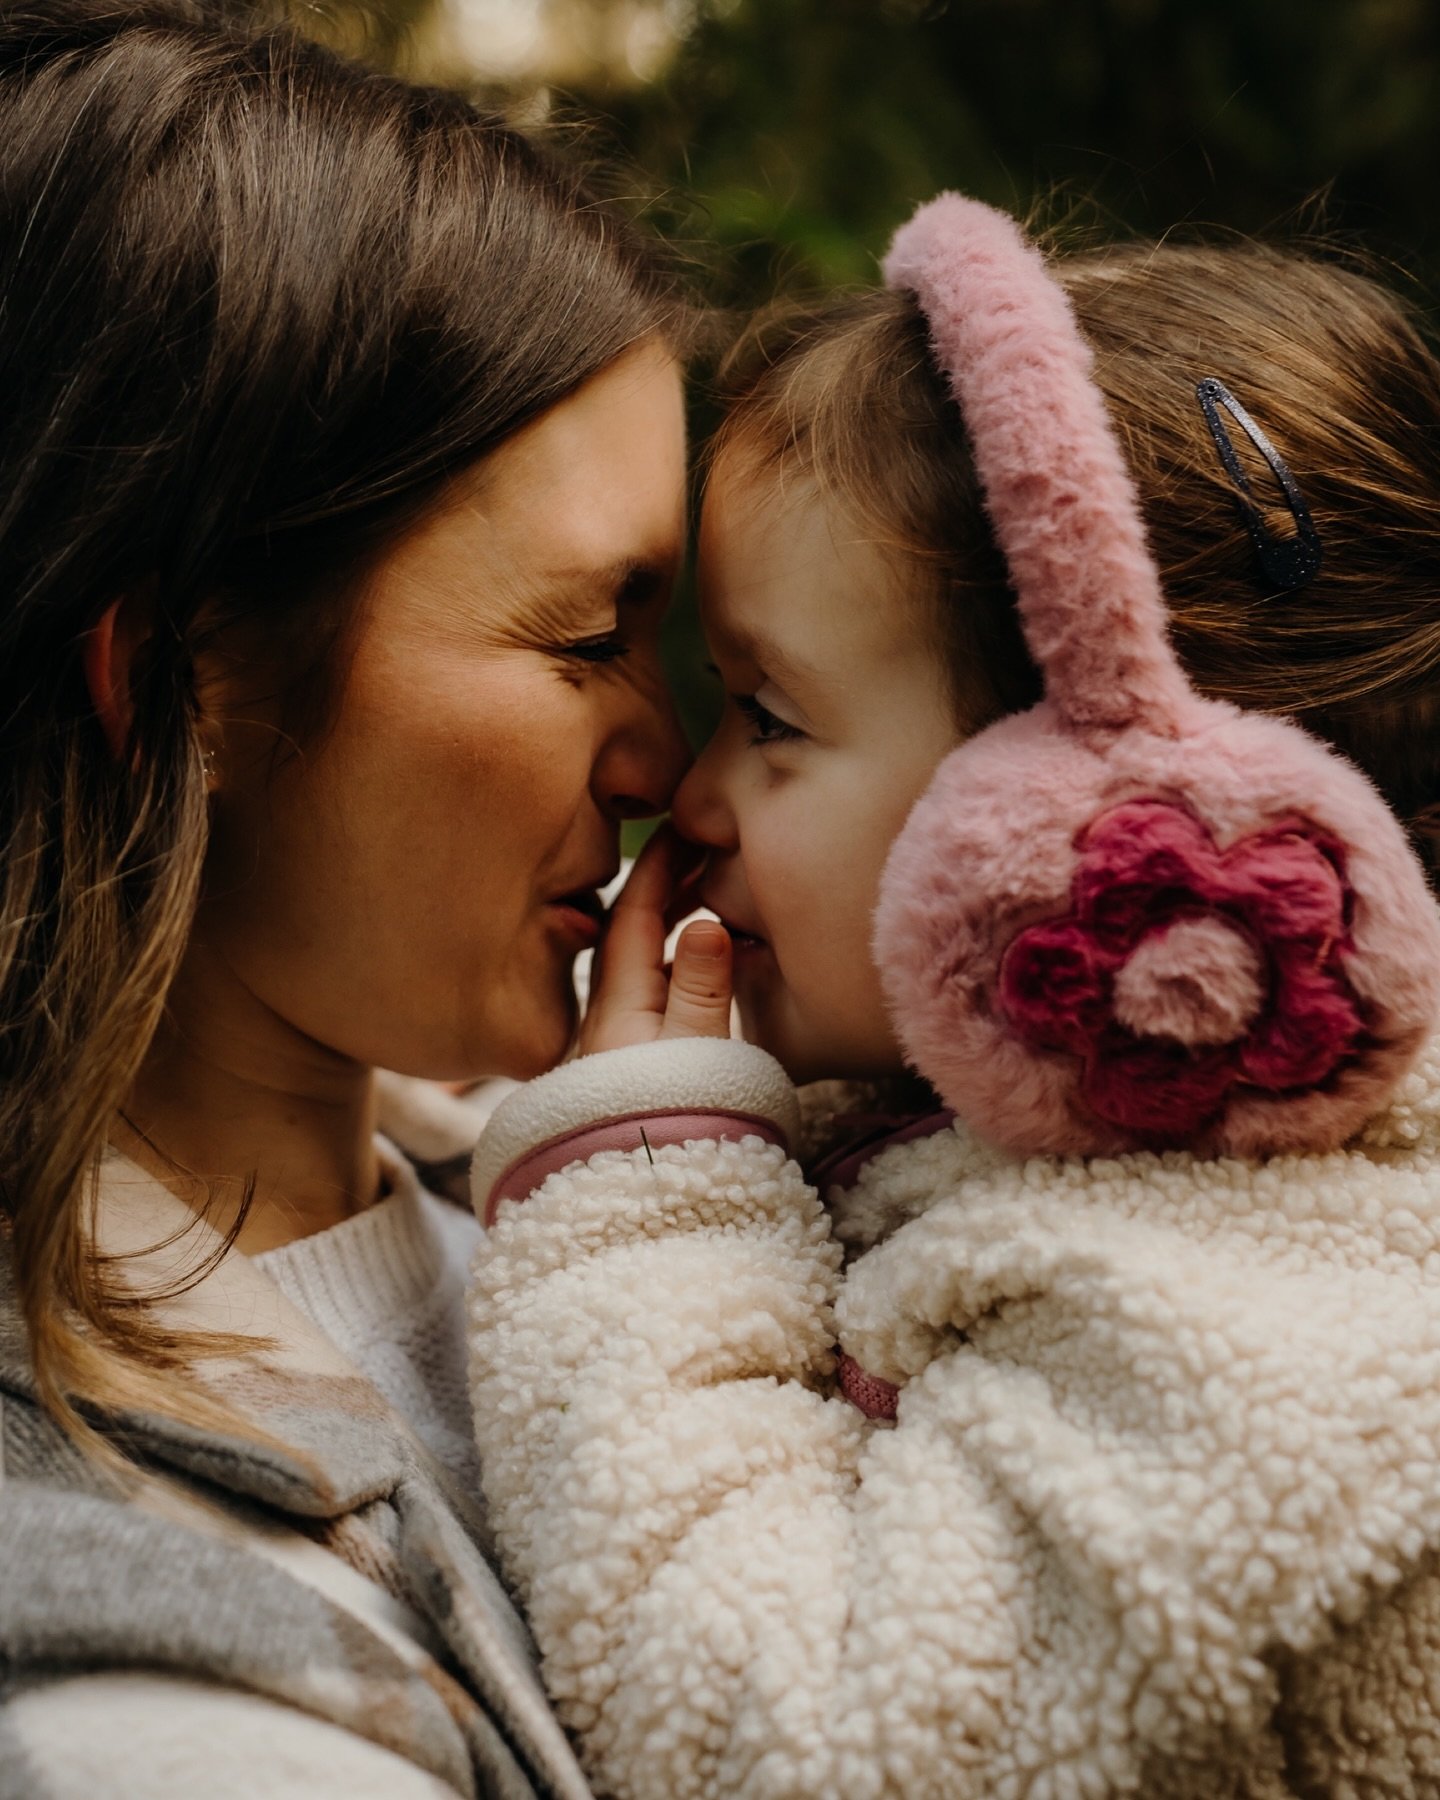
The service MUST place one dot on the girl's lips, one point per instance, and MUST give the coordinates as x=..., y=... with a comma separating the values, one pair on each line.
x=742, y=940
x=746, y=951
x=739, y=937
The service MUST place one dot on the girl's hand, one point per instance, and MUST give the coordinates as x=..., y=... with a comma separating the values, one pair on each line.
x=634, y=999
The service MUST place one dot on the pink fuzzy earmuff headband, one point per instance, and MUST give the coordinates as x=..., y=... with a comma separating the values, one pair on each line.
x=1130, y=917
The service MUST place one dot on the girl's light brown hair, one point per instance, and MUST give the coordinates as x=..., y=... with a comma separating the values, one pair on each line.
x=258, y=306
x=1332, y=365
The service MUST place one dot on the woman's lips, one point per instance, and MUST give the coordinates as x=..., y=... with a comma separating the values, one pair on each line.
x=579, y=915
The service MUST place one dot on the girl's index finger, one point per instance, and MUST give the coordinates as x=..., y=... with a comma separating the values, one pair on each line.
x=630, y=983
x=698, y=1001
x=658, y=872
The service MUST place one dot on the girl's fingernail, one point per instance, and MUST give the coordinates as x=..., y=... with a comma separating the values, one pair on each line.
x=707, y=940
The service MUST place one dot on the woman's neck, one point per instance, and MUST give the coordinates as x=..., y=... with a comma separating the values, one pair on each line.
x=231, y=1094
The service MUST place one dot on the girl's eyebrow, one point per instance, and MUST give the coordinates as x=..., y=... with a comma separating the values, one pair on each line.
x=755, y=644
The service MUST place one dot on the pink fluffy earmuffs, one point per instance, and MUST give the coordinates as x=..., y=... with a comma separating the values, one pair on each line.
x=1130, y=918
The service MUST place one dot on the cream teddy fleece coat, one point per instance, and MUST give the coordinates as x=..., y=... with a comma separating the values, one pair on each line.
x=1160, y=1514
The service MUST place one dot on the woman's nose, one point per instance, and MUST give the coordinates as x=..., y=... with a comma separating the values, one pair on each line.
x=641, y=764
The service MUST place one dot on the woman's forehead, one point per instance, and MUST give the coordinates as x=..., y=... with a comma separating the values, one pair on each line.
x=585, y=503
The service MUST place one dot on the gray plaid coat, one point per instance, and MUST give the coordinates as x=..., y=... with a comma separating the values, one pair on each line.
x=160, y=1642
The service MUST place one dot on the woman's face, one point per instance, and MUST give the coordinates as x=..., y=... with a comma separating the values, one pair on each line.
x=413, y=889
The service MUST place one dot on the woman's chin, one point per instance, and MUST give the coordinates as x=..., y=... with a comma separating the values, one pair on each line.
x=531, y=1039
x=539, y=1053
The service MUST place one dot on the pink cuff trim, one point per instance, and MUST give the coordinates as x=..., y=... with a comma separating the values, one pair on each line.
x=527, y=1172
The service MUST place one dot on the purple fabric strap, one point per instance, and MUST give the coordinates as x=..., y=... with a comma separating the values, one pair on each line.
x=874, y=1133
x=629, y=1131
x=877, y=1398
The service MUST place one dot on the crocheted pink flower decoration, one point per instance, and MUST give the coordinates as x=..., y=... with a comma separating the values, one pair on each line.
x=1183, y=970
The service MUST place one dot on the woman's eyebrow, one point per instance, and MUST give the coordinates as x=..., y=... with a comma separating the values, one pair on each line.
x=559, y=599
x=628, y=578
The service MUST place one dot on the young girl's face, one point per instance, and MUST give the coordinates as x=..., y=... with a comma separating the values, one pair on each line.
x=837, y=713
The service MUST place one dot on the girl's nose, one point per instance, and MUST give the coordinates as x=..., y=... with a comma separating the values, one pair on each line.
x=701, y=810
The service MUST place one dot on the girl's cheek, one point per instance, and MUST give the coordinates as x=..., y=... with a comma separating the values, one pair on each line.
x=780, y=871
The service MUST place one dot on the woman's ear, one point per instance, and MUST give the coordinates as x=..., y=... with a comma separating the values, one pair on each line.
x=108, y=659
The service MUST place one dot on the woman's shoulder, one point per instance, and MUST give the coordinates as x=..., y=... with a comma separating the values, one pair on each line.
x=148, y=1654
x=258, y=1544
x=155, y=1737
x=261, y=1560
x=152, y=1563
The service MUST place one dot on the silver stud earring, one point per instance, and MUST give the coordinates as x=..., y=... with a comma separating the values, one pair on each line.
x=208, y=765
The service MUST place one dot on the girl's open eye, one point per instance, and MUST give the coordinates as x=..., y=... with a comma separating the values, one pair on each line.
x=766, y=727
x=609, y=648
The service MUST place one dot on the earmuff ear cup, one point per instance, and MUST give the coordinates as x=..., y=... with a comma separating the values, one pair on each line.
x=1130, y=918
x=1219, y=938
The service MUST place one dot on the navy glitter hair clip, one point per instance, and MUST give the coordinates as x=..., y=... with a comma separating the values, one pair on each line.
x=1288, y=563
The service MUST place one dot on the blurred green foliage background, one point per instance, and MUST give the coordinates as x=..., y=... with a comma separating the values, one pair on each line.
x=807, y=128
x=792, y=136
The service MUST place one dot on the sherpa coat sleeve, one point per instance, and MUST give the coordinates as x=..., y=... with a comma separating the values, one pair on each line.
x=1165, y=1427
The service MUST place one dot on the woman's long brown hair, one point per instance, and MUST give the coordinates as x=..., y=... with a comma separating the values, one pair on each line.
x=256, y=304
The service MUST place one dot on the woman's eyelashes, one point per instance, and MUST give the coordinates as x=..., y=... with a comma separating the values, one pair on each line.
x=766, y=727
x=640, y=593
x=609, y=648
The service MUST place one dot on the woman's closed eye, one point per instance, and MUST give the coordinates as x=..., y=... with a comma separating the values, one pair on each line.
x=766, y=727
x=609, y=648
x=638, y=592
